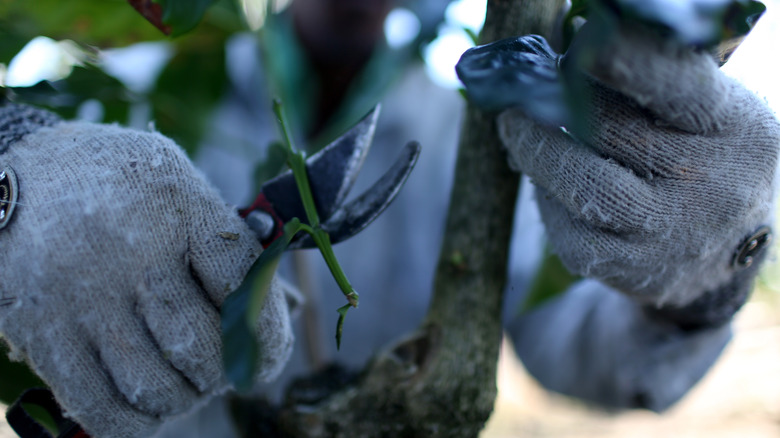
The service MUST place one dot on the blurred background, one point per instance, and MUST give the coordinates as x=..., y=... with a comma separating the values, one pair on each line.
x=211, y=90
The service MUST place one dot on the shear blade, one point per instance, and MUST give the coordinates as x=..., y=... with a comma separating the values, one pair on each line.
x=331, y=171
x=353, y=217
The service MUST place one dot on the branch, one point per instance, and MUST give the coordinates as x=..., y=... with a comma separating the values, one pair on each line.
x=440, y=380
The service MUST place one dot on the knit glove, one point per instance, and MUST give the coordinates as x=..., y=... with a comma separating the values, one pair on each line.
x=667, y=196
x=116, y=259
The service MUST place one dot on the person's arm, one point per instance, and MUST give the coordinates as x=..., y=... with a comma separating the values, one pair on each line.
x=598, y=345
x=667, y=199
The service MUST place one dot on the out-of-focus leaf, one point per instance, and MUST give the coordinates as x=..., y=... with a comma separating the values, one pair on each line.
x=577, y=12
x=84, y=83
x=473, y=35
x=701, y=23
x=189, y=87
x=15, y=377
x=101, y=23
x=515, y=72
x=240, y=350
x=551, y=280
x=183, y=15
x=293, y=80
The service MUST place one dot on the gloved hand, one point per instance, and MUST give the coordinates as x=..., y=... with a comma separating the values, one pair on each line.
x=660, y=198
x=116, y=260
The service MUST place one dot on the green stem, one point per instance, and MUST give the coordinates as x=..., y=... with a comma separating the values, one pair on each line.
x=279, y=112
x=322, y=240
x=297, y=162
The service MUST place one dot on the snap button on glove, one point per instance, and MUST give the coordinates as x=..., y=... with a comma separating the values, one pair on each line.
x=115, y=263
x=677, y=170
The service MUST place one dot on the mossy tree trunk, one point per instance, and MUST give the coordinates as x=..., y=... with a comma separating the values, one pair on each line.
x=441, y=379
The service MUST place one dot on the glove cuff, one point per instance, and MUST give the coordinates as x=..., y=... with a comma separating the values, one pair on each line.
x=717, y=307
x=16, y=121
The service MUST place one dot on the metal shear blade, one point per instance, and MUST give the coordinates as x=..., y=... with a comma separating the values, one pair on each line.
x=353, y=217
x=332, y=173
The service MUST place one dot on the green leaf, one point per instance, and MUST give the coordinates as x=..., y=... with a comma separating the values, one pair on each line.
x=183, y=15
x=240, y=350
x=100, y=23
x=190, y=86
x=551, y=280
x=473, y=36
x=579, y=9
x=15, y=378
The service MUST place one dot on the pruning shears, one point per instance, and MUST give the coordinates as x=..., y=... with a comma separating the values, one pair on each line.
x=332, y=172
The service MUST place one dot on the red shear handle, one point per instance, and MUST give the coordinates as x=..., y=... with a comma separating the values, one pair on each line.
x=263, y=204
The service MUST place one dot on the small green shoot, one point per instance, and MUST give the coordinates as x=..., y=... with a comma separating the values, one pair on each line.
x=242, y=308
x=297, y=162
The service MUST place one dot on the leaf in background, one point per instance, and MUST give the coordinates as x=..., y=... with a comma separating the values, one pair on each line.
x=100, y=23
x=700, y=23
x=16, y=378
x=240, y=350
x=515, y=72
x=577, y=13
x=190, y=86
x=551, y=280
x=183, y=15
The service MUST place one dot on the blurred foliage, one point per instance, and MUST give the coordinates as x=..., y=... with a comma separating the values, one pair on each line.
x=194, y=80
x=701, y=23
x=551, y=280
x=291, y=77
x=190, y=86
x=85, y=83
x=100, y=23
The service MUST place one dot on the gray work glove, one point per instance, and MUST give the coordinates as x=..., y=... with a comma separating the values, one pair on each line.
x=116, y=259
x=660, y=199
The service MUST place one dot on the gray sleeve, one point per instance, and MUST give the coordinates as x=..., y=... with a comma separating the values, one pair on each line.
x=598, y=345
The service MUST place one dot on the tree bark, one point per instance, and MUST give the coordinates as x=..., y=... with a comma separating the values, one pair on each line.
x=441, y=379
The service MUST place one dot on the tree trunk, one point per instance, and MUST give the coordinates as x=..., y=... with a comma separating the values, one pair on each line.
x=441, y=380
